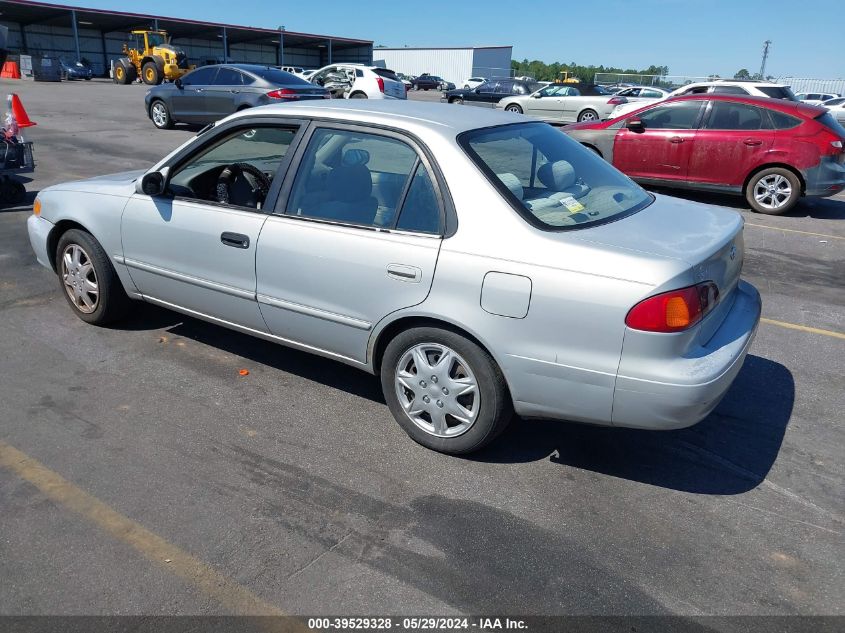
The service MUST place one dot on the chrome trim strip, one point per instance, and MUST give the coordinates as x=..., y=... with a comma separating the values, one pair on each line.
x=265, y=335
x=342, y=319
x=195, y=281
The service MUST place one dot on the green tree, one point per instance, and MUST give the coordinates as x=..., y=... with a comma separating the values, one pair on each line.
x=742, y=73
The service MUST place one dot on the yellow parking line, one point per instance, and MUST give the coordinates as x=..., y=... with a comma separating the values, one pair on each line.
x=209, y=581
x=803, y=328
x=777, y=228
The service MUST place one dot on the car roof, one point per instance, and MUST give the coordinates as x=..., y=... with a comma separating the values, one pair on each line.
x=441, y=118
x=782, y=105
x=739, y=82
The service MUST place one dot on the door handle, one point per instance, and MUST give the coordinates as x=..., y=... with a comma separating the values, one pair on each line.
x=198, y=89
x=676, y=139
x=401, y=272
x=235, y=240
x=235, y=91
x=752, y=141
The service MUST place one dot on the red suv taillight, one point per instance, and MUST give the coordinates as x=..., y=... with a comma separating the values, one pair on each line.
x=674, y=311
x=380, y=82
x=617, y=101
x=283, y=93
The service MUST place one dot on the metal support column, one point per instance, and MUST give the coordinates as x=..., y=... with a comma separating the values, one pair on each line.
x=280, y=57
x=155, y=24
x=106, y=64
x=75, y=34
x=330, y=52
x=24, y=45
x=225, y=47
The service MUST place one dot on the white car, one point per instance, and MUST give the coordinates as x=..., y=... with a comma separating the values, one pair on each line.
x=816, y=98
x=473, y=82
x=642, y=94
x=357, y=81
x=837, y=108
x=719, y=86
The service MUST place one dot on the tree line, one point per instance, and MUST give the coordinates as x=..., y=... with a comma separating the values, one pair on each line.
x=549, y=72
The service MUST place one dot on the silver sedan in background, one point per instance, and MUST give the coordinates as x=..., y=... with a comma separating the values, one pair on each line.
x=480, y=262
x=564, y=103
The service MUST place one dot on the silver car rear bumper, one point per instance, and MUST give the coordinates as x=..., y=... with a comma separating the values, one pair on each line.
x=704, y=374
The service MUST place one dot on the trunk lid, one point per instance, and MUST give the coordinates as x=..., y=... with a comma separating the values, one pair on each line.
x=393, y=86
x=706, y=238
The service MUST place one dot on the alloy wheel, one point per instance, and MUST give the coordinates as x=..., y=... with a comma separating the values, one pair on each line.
x=437, y=390
x=772, y=191
x=589, y=115
x=159, y=114
x=80, y=279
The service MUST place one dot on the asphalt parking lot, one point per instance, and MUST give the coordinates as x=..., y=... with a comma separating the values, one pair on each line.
x=141, y=474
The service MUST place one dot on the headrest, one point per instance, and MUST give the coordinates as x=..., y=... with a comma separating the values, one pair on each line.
x=350, y=182
x=355, y=157
x=557, y=176
x=511, y=182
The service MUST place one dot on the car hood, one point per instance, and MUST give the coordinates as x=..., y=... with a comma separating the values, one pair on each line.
x=119, y=184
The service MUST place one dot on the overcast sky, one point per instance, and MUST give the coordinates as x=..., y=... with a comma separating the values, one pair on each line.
x=691, y=37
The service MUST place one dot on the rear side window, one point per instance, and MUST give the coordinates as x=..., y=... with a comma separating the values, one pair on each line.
x=420, y=211
x=228, y=77
x=729, y=90
x=725, y=115
x=777, y=92
x=783, y=121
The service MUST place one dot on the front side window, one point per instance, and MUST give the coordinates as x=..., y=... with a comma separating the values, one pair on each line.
x=725, y=115
x=237, y=169
x=200, y=77
x=549, y=178
x=681, y=115
x=359, y=178
x=647, y=93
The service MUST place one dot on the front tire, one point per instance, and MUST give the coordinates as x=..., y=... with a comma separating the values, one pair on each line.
x=160, y=115
x=773, y=191
x=588, y=115
x=514, y=108
x=457, y=101
x=88, y=280
x=151, y=74
x=445, y=391
x=121, y=74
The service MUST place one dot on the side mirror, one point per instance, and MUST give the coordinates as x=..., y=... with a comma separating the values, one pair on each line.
x=477, y=91
x=178, y=83
x=536, y=95
x=635, y=125
x=153, y=183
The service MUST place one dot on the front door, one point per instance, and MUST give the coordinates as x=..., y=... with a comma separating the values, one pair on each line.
x=188, y=100
x=194, y=248
x=733, y=140
x=356, y=239
x=221, y=98
x=662, y=149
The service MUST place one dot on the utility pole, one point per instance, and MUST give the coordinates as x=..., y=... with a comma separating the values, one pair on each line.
x=766, y=45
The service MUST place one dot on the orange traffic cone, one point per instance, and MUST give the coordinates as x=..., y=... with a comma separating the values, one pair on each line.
x=19, y=113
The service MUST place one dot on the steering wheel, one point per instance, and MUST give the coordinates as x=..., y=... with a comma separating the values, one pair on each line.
x=257, y=180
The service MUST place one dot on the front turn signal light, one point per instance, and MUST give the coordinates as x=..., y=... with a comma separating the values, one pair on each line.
x=36, y=207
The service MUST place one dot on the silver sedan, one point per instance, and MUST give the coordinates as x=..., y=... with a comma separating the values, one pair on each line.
x=481, y=263
x=564, y=103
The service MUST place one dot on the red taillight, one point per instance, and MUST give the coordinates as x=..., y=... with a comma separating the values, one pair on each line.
x=617, y=100
x=283, y=93
x=380, y=82
x=675, y=310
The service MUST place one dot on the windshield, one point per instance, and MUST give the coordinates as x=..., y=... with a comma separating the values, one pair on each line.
x=278, y=77
x=552, y=180
x=778, y=92
x=156, y=39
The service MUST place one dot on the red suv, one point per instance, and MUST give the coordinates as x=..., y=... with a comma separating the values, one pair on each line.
x=769, y=150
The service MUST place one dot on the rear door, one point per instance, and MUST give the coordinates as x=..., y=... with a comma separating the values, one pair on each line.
x=221, y=98
x=188, y=101
x=734, y=138
x=355, y=236
x=663, y=148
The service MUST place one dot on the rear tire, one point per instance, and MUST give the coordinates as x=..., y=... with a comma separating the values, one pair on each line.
x=514, y=108
x=151, y=74
x=773, y=191
x=358, y=95
x=121, y=74
x=88, y=280
x=588, y=115
x=413, y=358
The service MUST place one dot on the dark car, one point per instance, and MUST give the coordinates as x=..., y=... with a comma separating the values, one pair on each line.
x=489, y=93
x=75, y=69
x=425, y=82
x=212, y=92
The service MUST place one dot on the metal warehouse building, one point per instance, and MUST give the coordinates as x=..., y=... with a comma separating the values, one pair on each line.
x=36, y=28
x=452, y=64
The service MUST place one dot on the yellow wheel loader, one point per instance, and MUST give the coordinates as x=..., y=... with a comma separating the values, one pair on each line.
x=153, y=58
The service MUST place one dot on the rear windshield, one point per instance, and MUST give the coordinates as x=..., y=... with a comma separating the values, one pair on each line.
x=387, y=74
x=552, y=180
x=277, y=76
x=778, y=92
x=832, y=124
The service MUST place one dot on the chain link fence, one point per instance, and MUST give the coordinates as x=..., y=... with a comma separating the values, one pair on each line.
x=668, y=82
